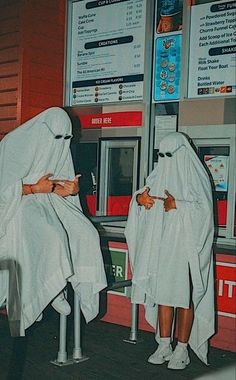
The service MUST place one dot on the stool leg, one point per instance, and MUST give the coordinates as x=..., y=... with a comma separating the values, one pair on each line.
x=134, y=325
x=62, y=354
x=134, y=322
x=62, y=359
x=77, y=351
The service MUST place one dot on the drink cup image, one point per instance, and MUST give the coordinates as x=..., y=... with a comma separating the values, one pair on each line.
x=169, y=23
x=169, y=7
x=170, y=17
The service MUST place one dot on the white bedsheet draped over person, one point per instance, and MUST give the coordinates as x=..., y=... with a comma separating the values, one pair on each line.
x=165, y=247
x=46, y=236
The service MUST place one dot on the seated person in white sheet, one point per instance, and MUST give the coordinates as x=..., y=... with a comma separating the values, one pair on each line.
x=170, y=246
x=42, y=227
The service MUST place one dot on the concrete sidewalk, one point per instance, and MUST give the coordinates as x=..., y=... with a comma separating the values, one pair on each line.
x=110, y=358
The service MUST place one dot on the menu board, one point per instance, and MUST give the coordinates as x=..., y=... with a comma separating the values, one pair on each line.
x=167, y=68
x=167, y=46
x=107, y=51
x=212, y=60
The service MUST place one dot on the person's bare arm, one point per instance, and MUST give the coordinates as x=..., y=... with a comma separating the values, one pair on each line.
x=44, y=185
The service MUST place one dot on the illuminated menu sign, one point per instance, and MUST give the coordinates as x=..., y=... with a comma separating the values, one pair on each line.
x=167, y=45
x=167, y=68
x=212, y=60
x=107, y=51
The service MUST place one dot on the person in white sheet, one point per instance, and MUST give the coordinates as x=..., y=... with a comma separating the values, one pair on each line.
x=44, y=235
x=170, y=241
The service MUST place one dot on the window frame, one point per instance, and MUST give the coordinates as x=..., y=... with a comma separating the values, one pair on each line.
x=105, y=144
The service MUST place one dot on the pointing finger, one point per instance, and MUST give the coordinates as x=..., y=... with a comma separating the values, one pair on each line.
x=47, y=176
x=168, y=194
x=77, y=177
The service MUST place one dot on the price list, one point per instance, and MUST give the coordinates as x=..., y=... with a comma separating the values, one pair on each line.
x=212, y=61
x=107, y=52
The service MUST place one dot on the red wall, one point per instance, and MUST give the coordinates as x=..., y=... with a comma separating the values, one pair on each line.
x=9, y=64
x=31, y=59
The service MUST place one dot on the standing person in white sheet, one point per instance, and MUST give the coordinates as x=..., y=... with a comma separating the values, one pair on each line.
x=170, y=245
x=42, y=227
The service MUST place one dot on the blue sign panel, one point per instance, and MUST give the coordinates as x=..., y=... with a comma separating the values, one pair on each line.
x=167, y=68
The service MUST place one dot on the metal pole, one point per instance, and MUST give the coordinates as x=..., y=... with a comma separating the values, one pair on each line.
x=62, y=354
x=134, y=325
x=77, y=351
x=134, y=322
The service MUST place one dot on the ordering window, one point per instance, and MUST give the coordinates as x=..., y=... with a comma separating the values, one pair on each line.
x=86, y=163
x=118, y=174
x=216, y=159
x=219, y=158
x=216, y=147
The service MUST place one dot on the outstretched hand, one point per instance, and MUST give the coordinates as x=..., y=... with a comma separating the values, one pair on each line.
x=169, y=202
x=146, y=200
x=64, y=187
x=44, y=184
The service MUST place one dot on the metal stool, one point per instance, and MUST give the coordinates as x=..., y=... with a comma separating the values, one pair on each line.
x=77, y=356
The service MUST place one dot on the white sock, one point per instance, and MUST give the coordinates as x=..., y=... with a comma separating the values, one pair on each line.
x=183, y=345
x=165, y=341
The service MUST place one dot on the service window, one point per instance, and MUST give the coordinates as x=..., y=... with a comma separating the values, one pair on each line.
x=218, y=157
x=118, y=174
x=86, y=163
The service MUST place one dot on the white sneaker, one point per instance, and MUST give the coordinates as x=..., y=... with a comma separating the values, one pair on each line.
x=61, y=305
x=179, y=359
x=161, y=355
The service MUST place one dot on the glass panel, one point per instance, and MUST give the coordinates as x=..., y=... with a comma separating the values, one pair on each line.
x=85, y=162
x=216, y=159
x=235, y=216
x=120, y=180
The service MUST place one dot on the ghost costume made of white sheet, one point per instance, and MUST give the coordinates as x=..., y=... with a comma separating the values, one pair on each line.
x=165, y=247
x=45, y=236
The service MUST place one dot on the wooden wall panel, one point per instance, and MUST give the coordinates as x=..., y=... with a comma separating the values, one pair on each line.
x=7, y=69
x=9, y=40
x=36, y=56
x=7, y=126
x=8, y=83
x=9, y=26
x=32, y=42
x=9, y=54
x=7, y=113
x=8, y=98
x=43, y=100
x=50, y=71
x=9, y=64
x=45, y=86
x=44, y=44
